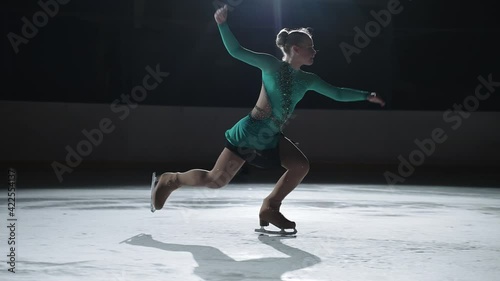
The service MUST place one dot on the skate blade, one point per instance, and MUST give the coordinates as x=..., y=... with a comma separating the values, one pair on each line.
x=281, y=232
x=153, y=181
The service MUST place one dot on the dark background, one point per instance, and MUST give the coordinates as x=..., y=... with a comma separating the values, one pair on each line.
x=428, y=58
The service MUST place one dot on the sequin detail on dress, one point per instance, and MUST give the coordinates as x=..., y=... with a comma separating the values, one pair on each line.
x=286, y=79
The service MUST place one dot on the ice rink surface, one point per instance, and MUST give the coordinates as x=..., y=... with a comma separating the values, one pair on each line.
x=345, y=232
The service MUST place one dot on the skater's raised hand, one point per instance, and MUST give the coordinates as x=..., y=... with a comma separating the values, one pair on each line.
x=221, y=15
x=376, y=99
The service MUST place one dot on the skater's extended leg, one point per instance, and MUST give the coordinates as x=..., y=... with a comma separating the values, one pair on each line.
x=297, y=167
x=222, y=173
x=226, y=167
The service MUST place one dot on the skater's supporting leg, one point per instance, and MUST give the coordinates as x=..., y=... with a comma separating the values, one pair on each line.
x=297, y=167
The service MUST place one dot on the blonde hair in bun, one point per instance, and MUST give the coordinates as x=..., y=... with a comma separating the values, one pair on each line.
x=287, y=37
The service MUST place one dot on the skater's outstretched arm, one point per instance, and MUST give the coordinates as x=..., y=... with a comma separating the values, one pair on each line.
x=341, y=94
x=261, y=60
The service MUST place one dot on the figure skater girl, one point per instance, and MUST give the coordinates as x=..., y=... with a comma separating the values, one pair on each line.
x=257, y=138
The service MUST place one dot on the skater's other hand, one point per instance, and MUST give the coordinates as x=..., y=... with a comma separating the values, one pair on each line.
x=373, y=97
x=221, y=15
